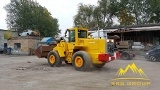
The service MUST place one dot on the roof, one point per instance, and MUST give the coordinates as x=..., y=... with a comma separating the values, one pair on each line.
x=132, y=28
x=137, y=29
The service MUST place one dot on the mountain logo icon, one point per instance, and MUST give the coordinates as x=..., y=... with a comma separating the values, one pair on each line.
x=134, y=69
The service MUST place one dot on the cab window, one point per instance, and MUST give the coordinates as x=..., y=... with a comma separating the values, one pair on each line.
x=82, y=34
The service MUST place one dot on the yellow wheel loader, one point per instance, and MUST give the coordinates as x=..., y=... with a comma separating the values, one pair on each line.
x=78, y=49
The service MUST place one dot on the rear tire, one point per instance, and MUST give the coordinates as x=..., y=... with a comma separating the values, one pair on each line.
x=54, y=59
x=125, y=56
x=82, y=61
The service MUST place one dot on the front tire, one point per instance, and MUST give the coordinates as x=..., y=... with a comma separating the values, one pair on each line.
x=82, y=61
x=54, y=59
x=152, y=58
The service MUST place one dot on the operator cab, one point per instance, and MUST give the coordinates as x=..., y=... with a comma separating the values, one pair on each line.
x=74, y=34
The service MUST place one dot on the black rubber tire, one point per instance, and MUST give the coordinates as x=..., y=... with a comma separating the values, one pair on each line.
x=87, y=63
x=152, y=58
x=125, y=56
x=99, y=65
x=58, y=60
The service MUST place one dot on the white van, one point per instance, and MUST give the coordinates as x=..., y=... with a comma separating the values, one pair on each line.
x=102, y=34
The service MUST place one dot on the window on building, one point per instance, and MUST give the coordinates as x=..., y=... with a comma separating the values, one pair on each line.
x=17, y=46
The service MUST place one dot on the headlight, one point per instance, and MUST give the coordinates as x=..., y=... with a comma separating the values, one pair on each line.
x=147, y=53
x=112, y=40
x=107, y=40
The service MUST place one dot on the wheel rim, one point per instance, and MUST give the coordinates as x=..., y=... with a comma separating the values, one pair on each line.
x=153, y=58
x=52, y=59
x=78, y=61
x=125, y=56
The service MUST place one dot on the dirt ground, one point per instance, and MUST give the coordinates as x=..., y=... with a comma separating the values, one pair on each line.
x=32, y=73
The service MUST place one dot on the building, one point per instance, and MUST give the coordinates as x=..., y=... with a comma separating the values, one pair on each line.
x=3, y=42
x=23, y=45
x=146, y=34
x=19, y=44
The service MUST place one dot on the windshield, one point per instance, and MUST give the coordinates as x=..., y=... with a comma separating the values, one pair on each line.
x=158, y=47
x=82, y=34
x=72, y=36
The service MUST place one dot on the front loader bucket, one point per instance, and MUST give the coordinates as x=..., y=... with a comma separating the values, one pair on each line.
x=43, y=50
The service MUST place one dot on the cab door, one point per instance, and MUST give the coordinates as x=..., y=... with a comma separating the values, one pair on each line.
x=71, y=40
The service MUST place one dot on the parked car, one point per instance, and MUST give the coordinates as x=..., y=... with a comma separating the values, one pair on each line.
x=153, y=54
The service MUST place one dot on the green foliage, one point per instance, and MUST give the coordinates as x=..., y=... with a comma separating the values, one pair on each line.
x=135, y=8
x=125, y=18
x=84, y=17
x=91, y=16
x=105, y=16
x=28, y=14
x=128, y=12
x=154, y=11
x=8, y=34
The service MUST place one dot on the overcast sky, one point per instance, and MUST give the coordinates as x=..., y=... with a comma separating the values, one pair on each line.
x=63, y=10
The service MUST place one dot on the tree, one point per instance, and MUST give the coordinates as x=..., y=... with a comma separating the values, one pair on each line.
x=28, y=14
x=85, y=17
x=8, y=34
x=91, y=16
x=154, y=11
x=101, y=16
x=104, y=14
x=128, y=12
x=125, y=18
